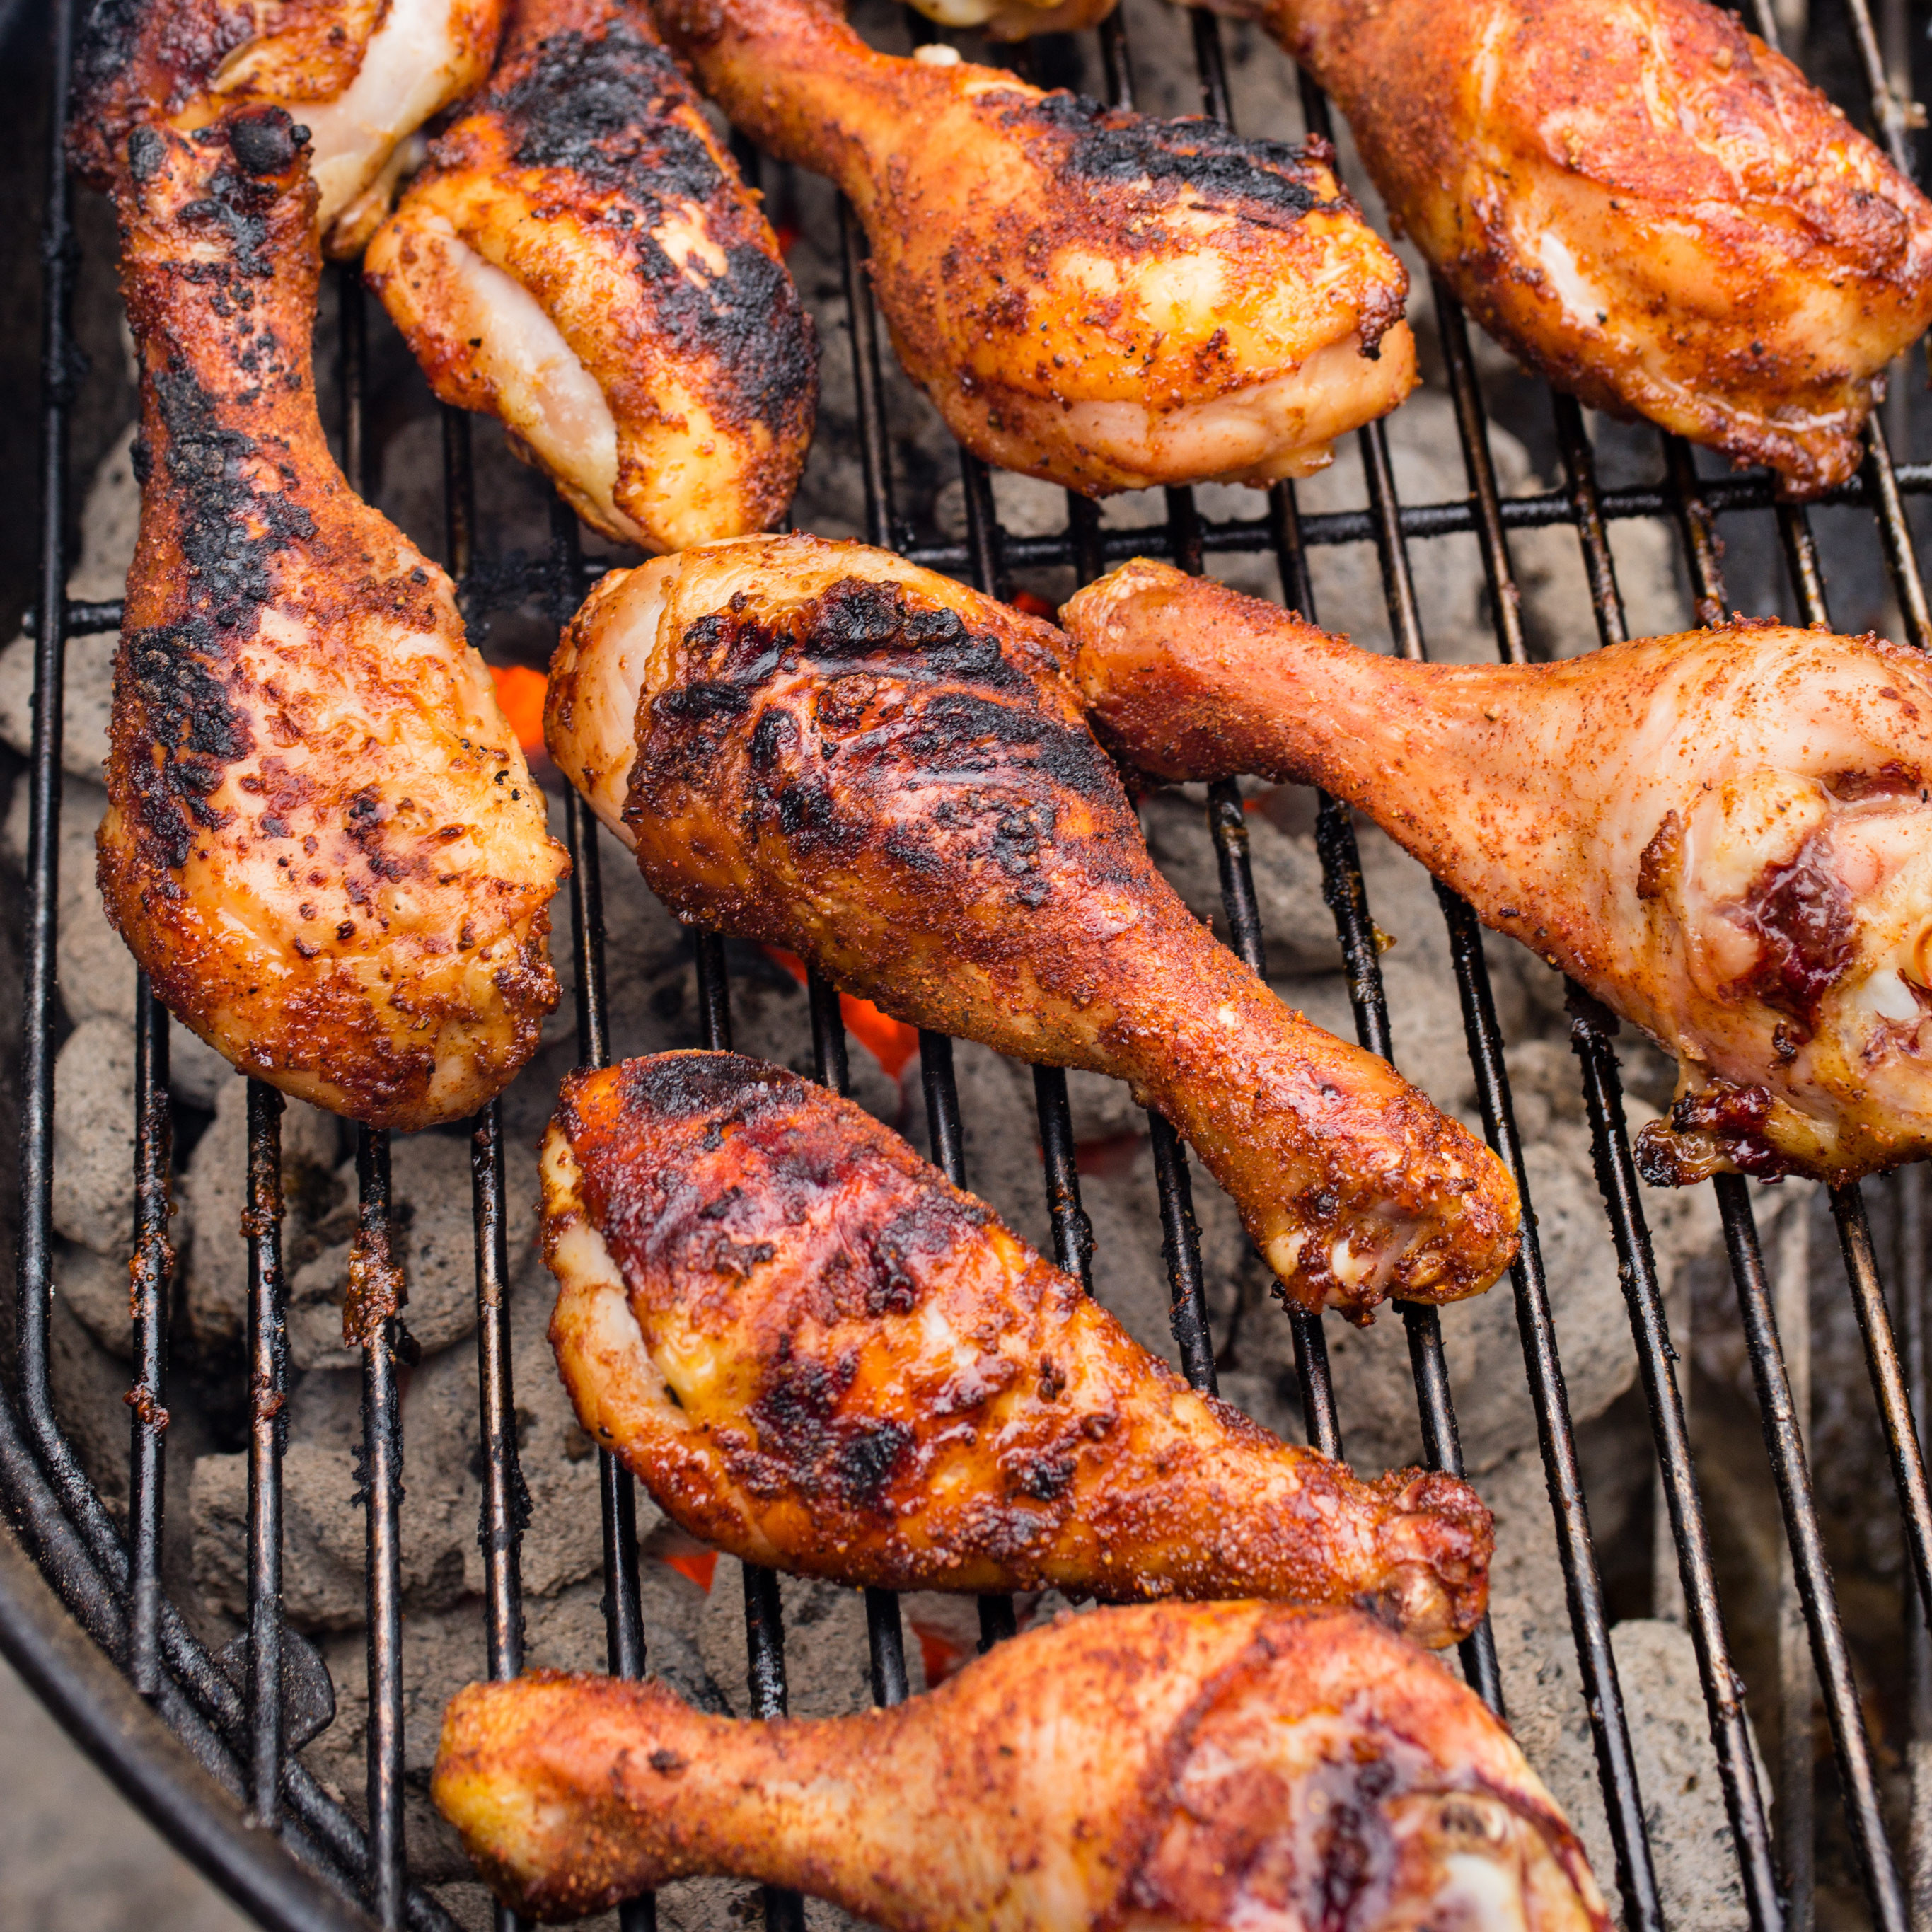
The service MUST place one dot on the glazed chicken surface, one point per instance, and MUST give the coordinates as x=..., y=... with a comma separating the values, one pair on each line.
x=581, y=260
x=1642, y=201
x=1089, y=296
x=321, y=842
x=362, y=76
x=819, y=1355
x=821, y=746
x=1723, y=835
x=1222, y=1765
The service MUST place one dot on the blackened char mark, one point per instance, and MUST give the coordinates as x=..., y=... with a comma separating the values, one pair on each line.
x=897, y=698
x=106, y=45
x=687, y=1086
x=765, y=366
x=263, y=145
x=773, y=738
x=926, y=1230
x=147, y=151
x=855, y=625
x=367, y=820
x=700, y=702
x=867, y=1457
x=266, y=142
x=1802, y=912
x=606, y=107
x=603, y=106
x=1045, y=1477
x=712, y=1251
x=692, y=724
x=849, y=1459
x=956, y=731
x=230, y=532
x=1115, y=149
x=137, y=61
x=808, y=817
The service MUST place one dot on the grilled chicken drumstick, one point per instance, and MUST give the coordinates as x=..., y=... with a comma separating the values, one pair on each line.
x=1089, y=296
x=818, y=1353
x=1642, y=201
x=580, y=259
x=1217, y=1765
x=360, y=75
x=1723, y=835
x=322, y=844
x=820, y=746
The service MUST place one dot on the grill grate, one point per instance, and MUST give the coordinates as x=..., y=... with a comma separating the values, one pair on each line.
x=111, y=1582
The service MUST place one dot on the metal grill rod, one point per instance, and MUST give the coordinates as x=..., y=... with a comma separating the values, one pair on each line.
x=381, y=1473
x=1592, y=1030
x=508, y=584
x=151, y=1272
x=764, y=1612
x=504, y=1508
x=54, y=1502
x=267, y=1369
x=1595, y=1657
x=1603, y=1693
x=1085, y=545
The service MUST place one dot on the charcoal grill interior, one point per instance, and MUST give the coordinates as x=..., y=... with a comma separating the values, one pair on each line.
x=228, y=1712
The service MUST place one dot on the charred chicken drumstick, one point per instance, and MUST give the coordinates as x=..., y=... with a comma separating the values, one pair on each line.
x=1642, y=201
x=818, y=1353
x=1089, y=296
x=1212, y=1765
x=820, y=746
x=360, y=75
x=321, y=842
x=1723, y=835
x=580, y=259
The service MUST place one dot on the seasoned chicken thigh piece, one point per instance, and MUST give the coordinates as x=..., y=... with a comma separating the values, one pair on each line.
x=581, y=260
x=820, y=746
x=362, y=76
x=1089, y=296
x=1725, y=835
x=1642, y=201
x=321, y=843
x=816, y=1352
x=1226, y=1767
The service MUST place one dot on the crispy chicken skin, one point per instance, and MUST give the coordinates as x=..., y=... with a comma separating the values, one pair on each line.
x=321, y=842
x=1642, y=202
x=581, y=260
x=1210, y=1765
x=820, y=746
x=1089, y=296
x=1723, y=835
x=817, y=1353
x=360, y=75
